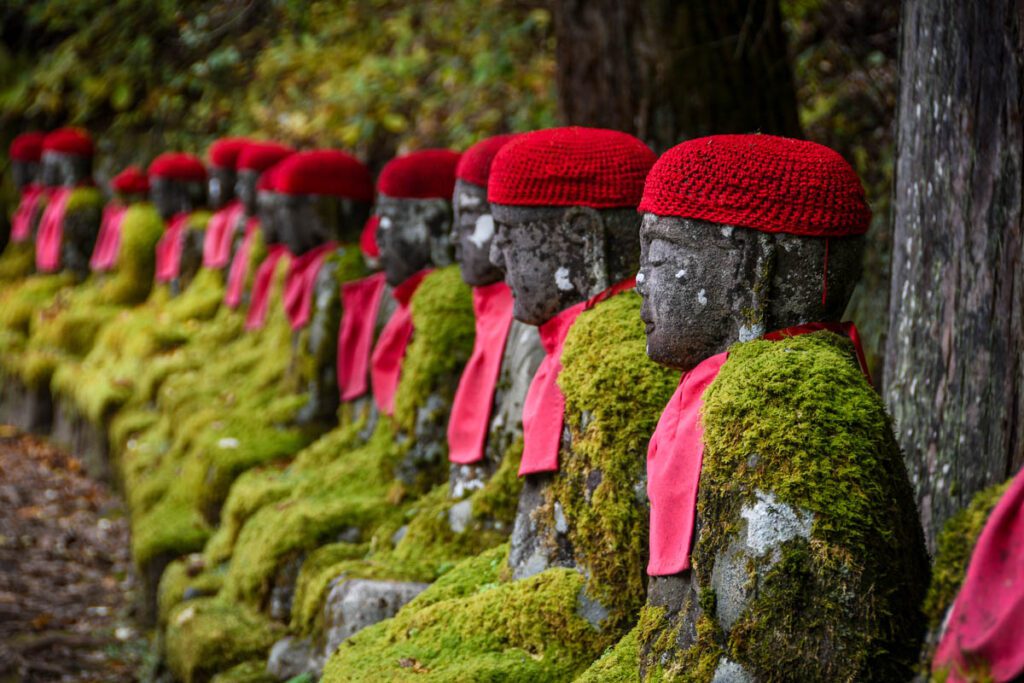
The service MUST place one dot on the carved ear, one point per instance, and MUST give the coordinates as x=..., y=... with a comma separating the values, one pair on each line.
x=587, y=228
x=762, y=252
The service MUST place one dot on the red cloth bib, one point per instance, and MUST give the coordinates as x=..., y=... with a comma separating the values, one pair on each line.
x=219, y=231
x=544, y=407
x=259, y=302
x=471, y=409
x=240, y=264
x=386, y=362
x=21, y=222
x=51, y=230
x=108, y=242
x=676, y=451
x=986, y=624
x=169, y=248
x=300, y=281
x=360, y=303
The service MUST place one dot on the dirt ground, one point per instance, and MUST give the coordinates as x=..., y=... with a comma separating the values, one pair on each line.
x=66, y=590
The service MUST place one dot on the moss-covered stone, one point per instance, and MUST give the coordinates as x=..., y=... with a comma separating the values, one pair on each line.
x=17, y=261
x=185, y=576
x=252, y=671
x=619, y=664
x=208, y=635
x=795, y=422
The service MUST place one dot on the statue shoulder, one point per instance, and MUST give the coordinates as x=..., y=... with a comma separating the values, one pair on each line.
x=85, y=198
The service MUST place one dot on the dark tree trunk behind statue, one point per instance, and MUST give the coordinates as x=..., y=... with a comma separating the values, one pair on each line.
x=956, y=340
x=666, y=70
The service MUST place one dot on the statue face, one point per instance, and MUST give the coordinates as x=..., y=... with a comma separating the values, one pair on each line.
x=220, y=186
x=297, y=217
x=24, y=172
x=172, y=196
x=65, y=170
x=472, y=234
x=245, y=190
x=266, y=203
x=412, y=235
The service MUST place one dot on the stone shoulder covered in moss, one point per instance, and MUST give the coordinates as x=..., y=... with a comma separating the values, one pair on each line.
x=796, y=439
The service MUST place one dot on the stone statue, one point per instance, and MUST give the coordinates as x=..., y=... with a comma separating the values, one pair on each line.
x=16, y=258
x=25, y=153
x=178, y=190
x=807, y=559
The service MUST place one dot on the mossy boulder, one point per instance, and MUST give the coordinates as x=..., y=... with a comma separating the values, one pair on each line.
x=809, y=563
x=17, y=261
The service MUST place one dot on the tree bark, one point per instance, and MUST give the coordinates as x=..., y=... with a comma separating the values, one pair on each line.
x=667, y=71
x=956, y=341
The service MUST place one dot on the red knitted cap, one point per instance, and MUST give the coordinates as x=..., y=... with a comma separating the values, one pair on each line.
x=325, y=172
x=178, y=166
x=224, y=152
x=69, y=141
x=761, y=182
x=475, y=164
x=368, y=238
x=574, y=166
x=427, y=174
x=259, y=156
x=267, y=181
x=131, y=180
x=27, y=147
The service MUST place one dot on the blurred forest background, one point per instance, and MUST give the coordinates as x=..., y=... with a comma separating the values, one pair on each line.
x=378, y=76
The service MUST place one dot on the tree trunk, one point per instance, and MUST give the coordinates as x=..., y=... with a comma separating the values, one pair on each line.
x=956, y=341
x=667, y=71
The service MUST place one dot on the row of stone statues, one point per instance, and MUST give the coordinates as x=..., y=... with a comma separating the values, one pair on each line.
x=432, y=427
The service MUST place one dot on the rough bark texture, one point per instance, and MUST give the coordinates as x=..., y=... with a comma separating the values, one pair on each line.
x=954, y=357
x=666, y=71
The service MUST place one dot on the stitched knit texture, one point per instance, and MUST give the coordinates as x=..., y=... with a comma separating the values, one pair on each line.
x=131, y=180
x=427, y=174
x=27, y=147
x=761, y=182
x=259, y=156
x=475, y=164
x=224, y=153
x=179, y=166
x=69, y=141
x=573, y=166
x=324, y=172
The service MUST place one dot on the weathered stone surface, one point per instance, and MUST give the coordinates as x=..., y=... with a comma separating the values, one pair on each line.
x=354, y=604
x=290, y=657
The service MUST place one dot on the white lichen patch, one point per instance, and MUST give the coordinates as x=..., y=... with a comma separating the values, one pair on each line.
x=228, y=443
x=771, y=522
x=483, y=231
x=640, y=278
x=727, y=230
x=702, y=297
x=681, y=273
x=750, y=332
x=469, y=201
x=562, y=280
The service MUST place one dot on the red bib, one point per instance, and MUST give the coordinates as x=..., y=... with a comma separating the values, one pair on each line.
x=21, y=221
x=300, y=281
x=169, y=248
x=360, y=303
x=676, y=451
x=240, y=264
x=51, y=230
x=471, y=409
x=219, y=231
x=108, y=242
x=259, y=302
x=544, y=408
x=986, y=624
x=386, y=362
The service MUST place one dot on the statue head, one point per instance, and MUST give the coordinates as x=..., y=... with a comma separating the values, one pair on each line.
x=177, y=183
x=25, y=152
x=254, y=159
x=473, y=225
x=67, y=158
x=323, y=195
x=743, y=235
x=564, y=204
x=131, y=185
x=266, y=206
x=223, y=156
x=414, y=208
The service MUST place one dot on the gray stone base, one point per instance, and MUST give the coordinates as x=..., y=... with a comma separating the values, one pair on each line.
x=29, y=409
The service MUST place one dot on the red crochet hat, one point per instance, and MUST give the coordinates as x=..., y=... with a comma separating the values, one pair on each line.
x=368, y=238
x=427, y=174
x=224, y=152
x=69, y=141
x=27, y=147
x=267, y=181
x=761, y=182
x=325, y=172
x=594, y=167
x=178, y=166
x=259, y=156
x=475, y=164
x=131, y=180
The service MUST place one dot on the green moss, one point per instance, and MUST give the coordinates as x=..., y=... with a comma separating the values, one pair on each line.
x=209, y=635
x=17, y=261
x=660, y=637
x=133, y=276
x=84, y=199
x=318, y=570
x=796, y=419
x=614, y=396
x=171, y=528
x=253, y=671
x=619, y=664
x=180, y=576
